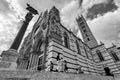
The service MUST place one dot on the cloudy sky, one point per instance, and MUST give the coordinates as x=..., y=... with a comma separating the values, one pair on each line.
x=103, y=17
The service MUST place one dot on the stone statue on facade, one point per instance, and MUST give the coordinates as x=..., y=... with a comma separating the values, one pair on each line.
x=60, y=62
x=31, y=9
x=79, y=71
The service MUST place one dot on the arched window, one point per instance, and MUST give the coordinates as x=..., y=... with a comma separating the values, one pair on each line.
x=66, y=40
x=100, y=55
x=78, y=48
x=40, y=63
x=113, y=54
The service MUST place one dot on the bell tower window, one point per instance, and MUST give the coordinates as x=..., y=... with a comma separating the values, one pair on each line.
x=88, y=39
x=86, y=35
x=84, y=30
x=82, y=23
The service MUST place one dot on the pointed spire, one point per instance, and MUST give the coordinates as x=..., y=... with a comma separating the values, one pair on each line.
x=54, y=12
x=45, y=14
x=80, y=3
x=54, y=9
x=70, y=30
x=79, y=18
x=113, y=44
x=101, y=42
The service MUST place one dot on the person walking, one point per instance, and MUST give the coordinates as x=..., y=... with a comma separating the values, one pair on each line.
x=51, y=66
x=65, y=66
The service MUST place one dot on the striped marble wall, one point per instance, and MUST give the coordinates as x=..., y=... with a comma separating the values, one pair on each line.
x=72, y=57
x=108, y=60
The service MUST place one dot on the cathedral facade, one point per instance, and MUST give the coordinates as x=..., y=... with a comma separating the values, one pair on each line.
x=49, y=38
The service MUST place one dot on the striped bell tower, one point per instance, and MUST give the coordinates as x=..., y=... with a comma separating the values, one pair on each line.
x=87, y=35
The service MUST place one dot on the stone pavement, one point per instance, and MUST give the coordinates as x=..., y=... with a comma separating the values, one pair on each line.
x=36, y=75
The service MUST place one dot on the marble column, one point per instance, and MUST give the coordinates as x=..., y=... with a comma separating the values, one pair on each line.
x=22, y=30
x=10, y=57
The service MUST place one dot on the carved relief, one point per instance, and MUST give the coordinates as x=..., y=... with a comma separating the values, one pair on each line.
x=55, y=29
x=45, y=29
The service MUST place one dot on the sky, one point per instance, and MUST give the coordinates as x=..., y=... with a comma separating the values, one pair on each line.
x=102, y=16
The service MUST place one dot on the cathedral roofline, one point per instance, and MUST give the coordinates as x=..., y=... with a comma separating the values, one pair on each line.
x=97, y=46
x=111, y=47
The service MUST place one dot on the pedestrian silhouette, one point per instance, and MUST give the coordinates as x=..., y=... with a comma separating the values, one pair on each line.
x=65, y=66
x=51, y=66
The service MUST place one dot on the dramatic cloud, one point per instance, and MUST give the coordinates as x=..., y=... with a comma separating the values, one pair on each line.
x=101, y=9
